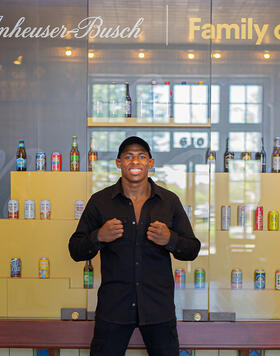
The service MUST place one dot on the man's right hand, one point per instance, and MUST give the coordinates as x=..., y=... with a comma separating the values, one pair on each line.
x=110, y=231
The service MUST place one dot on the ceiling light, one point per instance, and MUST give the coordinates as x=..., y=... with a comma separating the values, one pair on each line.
x=141, y=55
x=191, y=55
x=91, y=54
x=266, y=55
x=68, y=52
x=18, y=61
x=217, y=55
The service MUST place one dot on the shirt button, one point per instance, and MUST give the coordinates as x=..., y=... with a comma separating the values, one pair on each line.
x=130, y=203
x=137, y=263
x=137, y=284
x=133, y=222
x=133, y=304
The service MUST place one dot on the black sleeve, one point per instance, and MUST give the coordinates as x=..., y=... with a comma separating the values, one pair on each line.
x=182, y=244
x=83, y=244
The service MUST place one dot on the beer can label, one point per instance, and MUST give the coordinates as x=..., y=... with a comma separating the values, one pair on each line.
x=79, y=208
x=259, y=279
x=180, y=278
x=56, y=161
x=13, y=209
x=226, y=217
x=273, y=220
x=236, y=279
x=29, y=209
x=259, y=218
x=44, y=268
x=199, y=278
x=40, y=161
x=45, y=210
x=241, y=215
x=15, y=268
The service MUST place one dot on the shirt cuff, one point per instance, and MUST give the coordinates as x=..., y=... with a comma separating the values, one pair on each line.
x=96, y=244
x=171, y=246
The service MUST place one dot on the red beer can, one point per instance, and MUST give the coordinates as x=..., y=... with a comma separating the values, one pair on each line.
x=56, y=161
x=259, y=218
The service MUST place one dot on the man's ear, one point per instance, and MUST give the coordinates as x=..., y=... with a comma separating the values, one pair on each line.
x=118, y=163
x=151, y=163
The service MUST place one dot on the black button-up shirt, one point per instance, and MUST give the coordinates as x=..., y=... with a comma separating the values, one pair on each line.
x=137, y=280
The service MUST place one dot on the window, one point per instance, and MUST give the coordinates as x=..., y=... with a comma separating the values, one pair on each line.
x=245, y=104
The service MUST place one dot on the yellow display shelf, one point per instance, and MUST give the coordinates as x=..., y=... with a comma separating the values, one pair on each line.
x=62, y=189
x=3, y=297
x=42, y=298
x=138, y=122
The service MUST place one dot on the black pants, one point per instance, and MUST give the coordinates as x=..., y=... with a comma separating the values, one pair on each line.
x=112, y=339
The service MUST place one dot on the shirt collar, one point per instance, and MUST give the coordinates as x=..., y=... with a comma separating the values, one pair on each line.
x=155, y=189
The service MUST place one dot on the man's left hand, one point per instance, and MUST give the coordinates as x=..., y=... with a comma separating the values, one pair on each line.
x=159, y=233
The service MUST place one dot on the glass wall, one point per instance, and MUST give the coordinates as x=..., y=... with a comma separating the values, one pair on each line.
x=197, y=73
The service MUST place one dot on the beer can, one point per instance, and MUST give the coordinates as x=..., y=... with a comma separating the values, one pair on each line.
x=56, y=161
x=259, y=218
x=44, y=268
x=199, y=278
x=273, y=220
x=29, y=209
x=180, y=278
x=259, y=279
x=41, y=161
x=226, y=217
x=13, y=210
x=241, y=215
x=236, y=278
x=45, y=210
x=277, y=279
x=79, y=208
x=188, y=210
x=15, y=267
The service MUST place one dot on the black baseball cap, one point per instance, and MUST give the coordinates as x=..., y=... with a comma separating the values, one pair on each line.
x=132, y=140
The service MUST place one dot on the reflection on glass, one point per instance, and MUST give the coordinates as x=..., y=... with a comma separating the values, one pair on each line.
x=245, y=104
x=244, y=141
x=108, y=101
x=153, y=102
x=107, y=140
x=190, y=139
x=158, y=141
x=191, y=103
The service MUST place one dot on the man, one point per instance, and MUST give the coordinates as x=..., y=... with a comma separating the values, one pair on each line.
x=135, y=224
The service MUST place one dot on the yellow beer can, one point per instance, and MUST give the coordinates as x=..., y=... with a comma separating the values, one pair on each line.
x=44, y=268
x=273, y=220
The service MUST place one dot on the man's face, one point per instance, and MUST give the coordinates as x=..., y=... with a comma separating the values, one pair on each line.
x=134, y=163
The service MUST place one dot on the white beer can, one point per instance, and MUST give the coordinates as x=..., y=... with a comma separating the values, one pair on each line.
x=79, y=208
x=29, y=209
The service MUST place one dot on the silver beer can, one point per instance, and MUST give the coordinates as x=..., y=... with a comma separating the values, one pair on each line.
x=226, y=217
x=13, y=209
x=45, y=210
x=79, y=208
x=29, y=209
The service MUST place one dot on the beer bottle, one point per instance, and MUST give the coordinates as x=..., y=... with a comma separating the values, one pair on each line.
x=210, y=156
x=92, y=155
x=88, y=275
x=74, y=156
x=246, y=156
x=227, y=156
x=275, y=161
x=127, y=108
x=21, y=156
x=261, y=156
